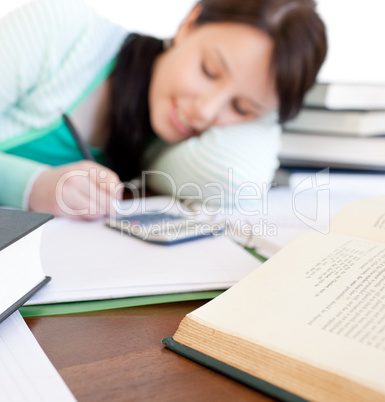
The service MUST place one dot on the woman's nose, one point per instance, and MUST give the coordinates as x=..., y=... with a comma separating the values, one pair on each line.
x=210, y=106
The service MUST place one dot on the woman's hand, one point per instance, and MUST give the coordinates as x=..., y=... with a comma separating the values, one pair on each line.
x=80, y=190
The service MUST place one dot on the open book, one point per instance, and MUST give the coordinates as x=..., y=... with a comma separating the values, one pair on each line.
x=310, y=321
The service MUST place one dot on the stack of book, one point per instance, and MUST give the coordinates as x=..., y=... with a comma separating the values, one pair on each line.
x=340, y=126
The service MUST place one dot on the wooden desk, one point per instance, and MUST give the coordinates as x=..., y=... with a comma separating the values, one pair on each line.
x=117, y=355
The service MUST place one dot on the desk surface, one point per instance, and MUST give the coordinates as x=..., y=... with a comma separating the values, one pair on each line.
x=117, y=355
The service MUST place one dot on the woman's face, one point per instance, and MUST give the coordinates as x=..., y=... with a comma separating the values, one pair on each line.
x=213, y=75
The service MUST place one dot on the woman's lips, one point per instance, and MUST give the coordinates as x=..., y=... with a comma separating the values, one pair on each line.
x=179, y=121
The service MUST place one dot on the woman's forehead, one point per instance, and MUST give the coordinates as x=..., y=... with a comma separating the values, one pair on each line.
x=244, y=54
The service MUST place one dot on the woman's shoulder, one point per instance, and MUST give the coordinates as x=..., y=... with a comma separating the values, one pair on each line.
x=51, y=13
x=54, y=50
x=53, y=20
x=40, y=22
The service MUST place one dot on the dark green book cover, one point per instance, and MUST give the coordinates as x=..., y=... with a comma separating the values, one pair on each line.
x=232, y=372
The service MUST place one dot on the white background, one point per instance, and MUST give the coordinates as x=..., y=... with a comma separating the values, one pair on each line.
x=356, y=31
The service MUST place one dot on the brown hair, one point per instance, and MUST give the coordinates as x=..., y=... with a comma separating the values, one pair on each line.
x=299, y=38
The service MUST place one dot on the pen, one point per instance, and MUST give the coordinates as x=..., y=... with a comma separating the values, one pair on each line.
x=86, y=152
x=82, y=146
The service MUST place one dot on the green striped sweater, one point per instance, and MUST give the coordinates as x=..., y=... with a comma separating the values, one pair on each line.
x=53, y=54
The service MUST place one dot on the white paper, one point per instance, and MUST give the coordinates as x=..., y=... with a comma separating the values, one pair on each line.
x=89, y=261
x=26, y=374
x=310, y=204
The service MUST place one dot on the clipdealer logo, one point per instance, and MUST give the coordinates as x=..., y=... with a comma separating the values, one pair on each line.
x=318, y=186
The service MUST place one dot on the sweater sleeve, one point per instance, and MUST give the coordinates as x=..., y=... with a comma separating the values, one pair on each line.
x=50, y=50
x=29, y=54
x=16, y=177
x=222, y=164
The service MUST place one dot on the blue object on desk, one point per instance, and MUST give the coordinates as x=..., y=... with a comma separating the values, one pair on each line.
x=162, y=228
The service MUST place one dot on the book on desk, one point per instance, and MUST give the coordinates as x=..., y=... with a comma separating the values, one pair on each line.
x=341, y=126
x=21, y=274
x=307, y=324
x=346, y=96
x=315, y=150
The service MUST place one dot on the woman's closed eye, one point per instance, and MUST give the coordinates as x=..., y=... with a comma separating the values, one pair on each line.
x=242, y=110
x=208, y=71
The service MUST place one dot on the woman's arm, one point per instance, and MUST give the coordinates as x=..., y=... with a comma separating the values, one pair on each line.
x=16, y=178
x=81, y=190
x=50, y=50
x=30, y=54
x=231, y=161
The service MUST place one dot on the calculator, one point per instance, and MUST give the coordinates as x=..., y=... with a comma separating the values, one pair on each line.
x=162, y=228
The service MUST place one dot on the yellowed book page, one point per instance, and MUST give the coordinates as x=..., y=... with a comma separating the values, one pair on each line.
x=320, y=300
x=365, y=219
